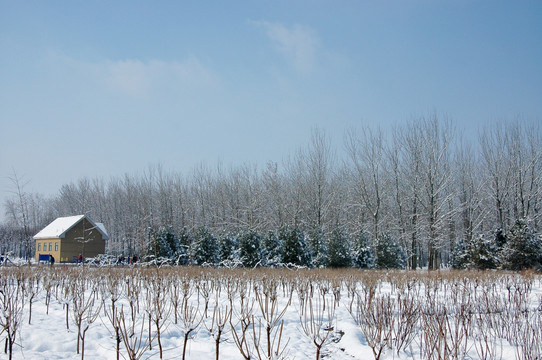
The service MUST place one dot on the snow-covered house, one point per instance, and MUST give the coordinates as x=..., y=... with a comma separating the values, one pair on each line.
x=68, y=237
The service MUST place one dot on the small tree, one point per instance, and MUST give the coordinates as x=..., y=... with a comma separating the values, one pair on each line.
x=339, y=249
x=164, y=243
x=294, y=250
x=184, y=251
x=459, y=257
x=388, y=253
x=500, y=239
x=523, y=250
x=227, y=246
x=318, y=248
x=205, y=247
x=362, y=253
x=482, y=253
x=271, y=249
x=249, y=248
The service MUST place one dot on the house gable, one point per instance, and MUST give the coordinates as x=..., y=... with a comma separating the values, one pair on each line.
x=71, y=236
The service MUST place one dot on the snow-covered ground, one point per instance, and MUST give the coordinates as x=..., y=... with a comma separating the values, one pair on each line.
x=463, y=315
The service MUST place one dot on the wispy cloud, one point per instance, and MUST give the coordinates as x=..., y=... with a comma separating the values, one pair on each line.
x=139, y=79
x=299, y=44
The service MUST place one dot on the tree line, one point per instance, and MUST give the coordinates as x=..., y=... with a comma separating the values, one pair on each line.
x=422, y=190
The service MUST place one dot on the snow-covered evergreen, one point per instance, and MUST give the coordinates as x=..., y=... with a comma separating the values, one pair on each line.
x=163, y=243
x=318, y=247
x=294, y=249
x=362, y=252
x=185, y=246
x=388, y=253
x=249, y=248
x=339, y=249
x=459, y=257
x=482, y=253
x=228, y=247
x=205, y=247
x=523, y=248
x=271, y=249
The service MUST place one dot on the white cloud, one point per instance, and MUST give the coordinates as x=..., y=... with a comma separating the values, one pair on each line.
x=130, y=77
x=137, y=78
x=299, y=44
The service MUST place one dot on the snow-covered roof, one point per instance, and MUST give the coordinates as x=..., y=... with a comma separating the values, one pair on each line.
x=59, y=227
x=101, y=228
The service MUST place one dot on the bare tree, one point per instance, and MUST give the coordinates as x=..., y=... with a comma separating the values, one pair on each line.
x=18, y=211
x=275, y=202
x=319, y=166
x=497, y=169
x=366, y=154
x=437, y=178
x=525, y=154
x=469, y=187
x=399, y=201
x=407, y=159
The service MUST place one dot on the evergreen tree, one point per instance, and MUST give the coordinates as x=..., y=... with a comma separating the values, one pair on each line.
x=339, y=249
x=153, y=245
x=460, y=258
x=271, y=249
x=249, y=248
x=362, y=255
x=388, y=253
x=523, y=250
x=184, y=250
x=295, y=249
x=482, y=253
x=500, y=239
x=205, y=247
x=227, y=244
x=163, y=242
x=318, y=248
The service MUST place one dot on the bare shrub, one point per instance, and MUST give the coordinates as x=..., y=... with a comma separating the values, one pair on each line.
x=132, y=334
x=218, y=321
x=158, y=306
x=243, y=317
x=85, y=308
x=317, y=316
x=408, y=315
x=271, y=314
x=376, y=320
x=12, y=302
x=111, y=291
x=190, y=318
x=31, y=287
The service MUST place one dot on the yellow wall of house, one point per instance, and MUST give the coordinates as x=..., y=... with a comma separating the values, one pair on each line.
x=48, y=246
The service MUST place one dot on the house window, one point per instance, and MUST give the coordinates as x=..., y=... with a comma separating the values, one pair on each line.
x=50, y=246
x=39, y=246
x=56, y=246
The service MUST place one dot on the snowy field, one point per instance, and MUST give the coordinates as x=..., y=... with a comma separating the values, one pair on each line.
x=268, y=314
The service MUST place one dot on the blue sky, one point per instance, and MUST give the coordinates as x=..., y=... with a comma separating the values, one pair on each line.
x=103, y=88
